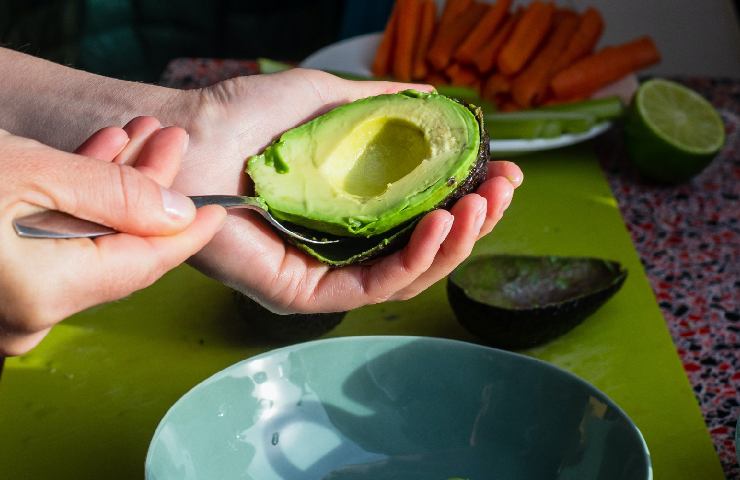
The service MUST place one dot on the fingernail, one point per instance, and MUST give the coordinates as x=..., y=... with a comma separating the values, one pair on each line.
x=480, y=217
x=446, y=229
x=515, y=180
x=507, y=202
x=177, y=205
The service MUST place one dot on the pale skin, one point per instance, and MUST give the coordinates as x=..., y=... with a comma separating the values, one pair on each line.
x=227, y=123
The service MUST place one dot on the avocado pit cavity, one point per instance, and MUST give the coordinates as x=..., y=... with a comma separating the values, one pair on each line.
x=377, y=154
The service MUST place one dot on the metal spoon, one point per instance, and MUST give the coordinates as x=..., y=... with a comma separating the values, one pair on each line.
x=55, y=224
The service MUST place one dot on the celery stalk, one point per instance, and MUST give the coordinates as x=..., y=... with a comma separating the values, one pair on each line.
x=607, y=108
x=532, y=124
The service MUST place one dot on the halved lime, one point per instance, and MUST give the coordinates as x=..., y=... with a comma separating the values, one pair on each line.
x=672, y=132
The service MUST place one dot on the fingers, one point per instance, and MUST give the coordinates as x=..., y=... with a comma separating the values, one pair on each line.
x=332, y=89
x=475, y=216
x=498, y=193
x=114, y=195
x=104, y=144
x=128, y=263
x=509, y=170
x=352, y=287
x=159, y=158
x=139, y=130
x=12, y=344
x=469, y=214
x=355, y=90
x=114, y=266
x=155, y=151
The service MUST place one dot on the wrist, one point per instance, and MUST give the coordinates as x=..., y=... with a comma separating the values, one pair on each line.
x=61, y=106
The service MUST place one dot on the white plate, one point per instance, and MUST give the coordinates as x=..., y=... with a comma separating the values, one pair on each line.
x=355, y=55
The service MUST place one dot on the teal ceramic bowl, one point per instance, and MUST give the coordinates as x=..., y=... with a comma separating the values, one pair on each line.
x=406, y=408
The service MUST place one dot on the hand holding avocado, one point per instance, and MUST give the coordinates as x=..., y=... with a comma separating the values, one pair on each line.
x=237, y=119
x=227, y=123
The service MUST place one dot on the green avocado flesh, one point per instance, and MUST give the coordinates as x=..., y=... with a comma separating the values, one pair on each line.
x=369, y=166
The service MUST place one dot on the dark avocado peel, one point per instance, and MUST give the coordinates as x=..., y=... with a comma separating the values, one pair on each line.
x=521, y=301
x=372, y=218
x=296, y=327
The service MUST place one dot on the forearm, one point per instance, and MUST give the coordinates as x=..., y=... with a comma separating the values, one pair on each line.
x=61, y=106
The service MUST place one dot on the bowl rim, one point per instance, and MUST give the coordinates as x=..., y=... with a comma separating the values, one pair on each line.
x=409, y=339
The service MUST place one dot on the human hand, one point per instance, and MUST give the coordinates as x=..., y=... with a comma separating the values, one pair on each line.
x=238, y=118
x=118, y=178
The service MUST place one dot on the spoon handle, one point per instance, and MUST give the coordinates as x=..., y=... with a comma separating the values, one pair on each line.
x=55, y=224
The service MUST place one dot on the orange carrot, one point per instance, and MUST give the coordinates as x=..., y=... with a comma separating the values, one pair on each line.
x=435, y=78
x=496, y=85
x=428, y=17
x=550, y=101
x=527, y=35
x=604, y=67
x=497, y=89
x=383, y=61
x=448, y=38
x=589, y=30
x=487, y=57
x=461, y=75
x=508, y=106
x=562, y=14
x=530, y=85
x=453, y=8
x=408, y=27
x=483, y=32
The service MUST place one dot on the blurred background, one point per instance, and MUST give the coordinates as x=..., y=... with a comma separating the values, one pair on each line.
x=134, y=39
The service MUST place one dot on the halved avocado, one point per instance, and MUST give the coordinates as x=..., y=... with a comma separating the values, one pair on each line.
x=521, y=301
x=369, y=169
x=285, y=328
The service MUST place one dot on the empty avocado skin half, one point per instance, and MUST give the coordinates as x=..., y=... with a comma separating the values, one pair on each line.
x=370, y=169
x=285, y=328
x=520, y=301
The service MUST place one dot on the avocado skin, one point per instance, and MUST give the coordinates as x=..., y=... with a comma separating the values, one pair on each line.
x=362, y=250
x=526, y=328
x=480, y=170
x=285, y=328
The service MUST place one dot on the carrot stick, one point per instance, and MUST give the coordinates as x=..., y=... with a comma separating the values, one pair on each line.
x=563, y=14
x=453, y=8
x=447, y=39
x=426, y=30
x=483, y=32
x=552, y=101
x=408, y=28
x=487, y=57
x=527, y=35
x=509, y=106
x=461, y=75
x=604, y=67
x=383, y=61
x=530, y=85
x=434, y=78
x=589, y=30
x=496, y=85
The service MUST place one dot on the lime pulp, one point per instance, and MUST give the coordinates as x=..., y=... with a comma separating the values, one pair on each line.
x=671, y=132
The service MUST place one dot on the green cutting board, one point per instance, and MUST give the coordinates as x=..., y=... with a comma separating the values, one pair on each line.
x=85, y=403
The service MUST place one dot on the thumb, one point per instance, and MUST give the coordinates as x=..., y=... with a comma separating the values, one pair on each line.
x=115, y=195
x=351, y=90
